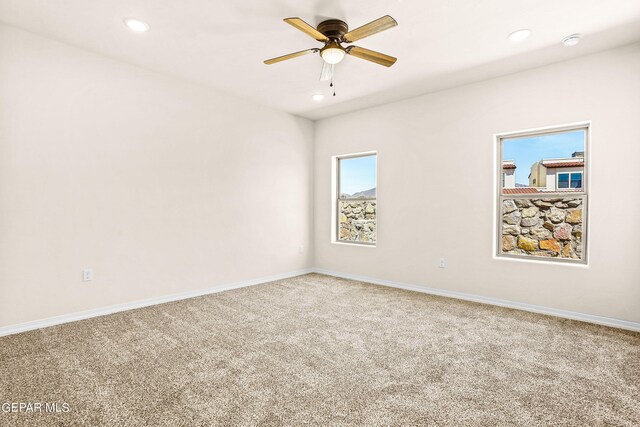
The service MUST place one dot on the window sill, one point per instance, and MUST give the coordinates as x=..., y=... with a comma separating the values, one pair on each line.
x=365, y=245
x=539, y=260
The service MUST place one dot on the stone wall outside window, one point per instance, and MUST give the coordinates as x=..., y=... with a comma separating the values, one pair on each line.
x=357, y=221
x=543, y=227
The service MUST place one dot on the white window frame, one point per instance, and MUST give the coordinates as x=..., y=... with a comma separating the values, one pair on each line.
x=584, y=193
x=570, y=176
x=335, y=196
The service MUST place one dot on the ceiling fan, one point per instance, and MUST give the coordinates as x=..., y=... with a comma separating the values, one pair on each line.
x=333, y=33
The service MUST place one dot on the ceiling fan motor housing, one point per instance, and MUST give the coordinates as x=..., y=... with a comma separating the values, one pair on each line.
x=334, y=29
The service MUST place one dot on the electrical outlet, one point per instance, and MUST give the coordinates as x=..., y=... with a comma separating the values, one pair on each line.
x=87, y=275
x=442, y=263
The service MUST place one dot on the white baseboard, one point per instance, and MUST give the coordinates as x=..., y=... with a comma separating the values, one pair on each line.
x=600, y=320
x=57, y=320
x=82, y=315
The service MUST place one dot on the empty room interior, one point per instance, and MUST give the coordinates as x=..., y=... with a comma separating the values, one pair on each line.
x=190, y=232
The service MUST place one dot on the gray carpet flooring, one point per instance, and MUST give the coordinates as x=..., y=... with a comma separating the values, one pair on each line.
x=317, y=350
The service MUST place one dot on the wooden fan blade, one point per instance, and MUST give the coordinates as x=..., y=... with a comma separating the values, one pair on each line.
x=306, y=28
x=370, y=29
x=371, y=55
x=290, y=56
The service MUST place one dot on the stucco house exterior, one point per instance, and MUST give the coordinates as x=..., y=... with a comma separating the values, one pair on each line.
x=508, y=174
x=547, y=175
x=561, y=174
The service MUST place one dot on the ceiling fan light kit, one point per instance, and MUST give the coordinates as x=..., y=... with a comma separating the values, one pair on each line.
x=332, y=53
x=334, y=32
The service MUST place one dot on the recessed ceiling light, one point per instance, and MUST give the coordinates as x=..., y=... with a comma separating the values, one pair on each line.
x=572, y=40
x=136, y=25
x=317, y=97
x=519, y=35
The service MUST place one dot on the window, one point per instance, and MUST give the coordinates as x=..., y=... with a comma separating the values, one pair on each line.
x=563, y=180
x=576, y=180
x=544, y=220
x=570, y=180
x=356, y=199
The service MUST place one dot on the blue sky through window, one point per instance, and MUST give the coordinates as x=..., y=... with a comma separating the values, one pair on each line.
x=527, y=151
x=357, y=174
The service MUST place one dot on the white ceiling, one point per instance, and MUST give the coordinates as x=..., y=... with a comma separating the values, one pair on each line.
x=439, y=43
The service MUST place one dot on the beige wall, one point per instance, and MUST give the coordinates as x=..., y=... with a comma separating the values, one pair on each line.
x=158, y=185
x=164, y=187
x=428, y=210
